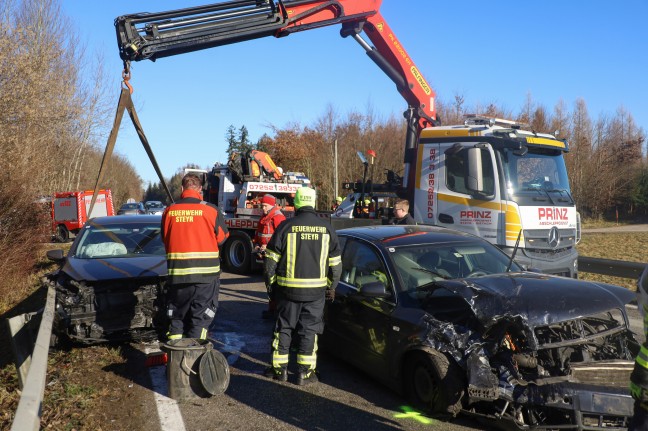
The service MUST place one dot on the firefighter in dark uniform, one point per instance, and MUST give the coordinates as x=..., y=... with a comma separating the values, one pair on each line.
x=639, y=377
x=302, y=268
x=192, y=230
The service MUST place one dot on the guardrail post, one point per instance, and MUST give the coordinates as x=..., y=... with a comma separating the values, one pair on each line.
x=23, y=330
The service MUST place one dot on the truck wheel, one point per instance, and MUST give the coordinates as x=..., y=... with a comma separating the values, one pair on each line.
x=238, y=253
x=434, y=383
x=62, y=234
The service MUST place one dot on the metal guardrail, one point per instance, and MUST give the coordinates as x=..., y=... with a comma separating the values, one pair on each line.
x=32, y=368
x=30, y=404
x=615, y=268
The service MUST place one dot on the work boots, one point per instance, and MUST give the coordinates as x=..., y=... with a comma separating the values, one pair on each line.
x=307, y=378
x=280, y=374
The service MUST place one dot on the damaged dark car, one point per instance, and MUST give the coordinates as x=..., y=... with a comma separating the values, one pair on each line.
x=449, y=320
x=110, y=286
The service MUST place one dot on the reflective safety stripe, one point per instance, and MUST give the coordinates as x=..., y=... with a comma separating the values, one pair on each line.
x=635, y=390
x=193, y=255
x=301, y=282
x=272, y=255
x=275, y=341
x=198, y=270
x=174, y=336
x=203, y=334
x=291, y=252
x=335, y=260
x=324, y=254
x=273, y=279
x=642, y=357
x=310, y=360
x=279, y=360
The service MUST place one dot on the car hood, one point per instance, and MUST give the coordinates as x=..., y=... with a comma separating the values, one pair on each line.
x=536, y=298
x=115, y=268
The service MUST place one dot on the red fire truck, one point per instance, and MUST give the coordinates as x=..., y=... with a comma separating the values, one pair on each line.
x=70, y=211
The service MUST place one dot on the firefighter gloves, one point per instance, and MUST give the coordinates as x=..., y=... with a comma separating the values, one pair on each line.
x=330, y=295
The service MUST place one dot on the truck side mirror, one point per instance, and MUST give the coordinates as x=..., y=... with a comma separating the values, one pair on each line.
x=475, y=179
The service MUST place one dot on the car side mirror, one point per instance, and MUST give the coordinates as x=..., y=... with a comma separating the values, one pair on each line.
x=57, y=255
x=375, y=289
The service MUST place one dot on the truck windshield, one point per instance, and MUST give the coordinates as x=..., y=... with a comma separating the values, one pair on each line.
x=539, y=171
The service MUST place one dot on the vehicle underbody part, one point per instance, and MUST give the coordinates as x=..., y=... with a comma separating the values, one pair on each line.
x=108, y=311
x=565, y=375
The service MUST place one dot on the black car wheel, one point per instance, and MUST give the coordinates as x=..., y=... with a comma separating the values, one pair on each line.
x=62, y=234
x=434, y=384
x=238, y=252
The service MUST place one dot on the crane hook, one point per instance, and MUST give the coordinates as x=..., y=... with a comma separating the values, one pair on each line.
x=126, y=77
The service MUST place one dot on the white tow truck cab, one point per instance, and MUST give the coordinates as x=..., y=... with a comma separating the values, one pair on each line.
x=492, y=178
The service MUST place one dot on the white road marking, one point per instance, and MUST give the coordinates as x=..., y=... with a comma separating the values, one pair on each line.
x=168, y=410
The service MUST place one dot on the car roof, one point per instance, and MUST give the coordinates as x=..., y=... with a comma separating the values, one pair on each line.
x=404, y=235
x=125, y=219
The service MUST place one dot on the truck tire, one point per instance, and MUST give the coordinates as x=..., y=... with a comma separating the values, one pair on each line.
x=237, y=253
x=62, y=234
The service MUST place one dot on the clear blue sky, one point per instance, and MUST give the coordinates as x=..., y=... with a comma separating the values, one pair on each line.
x=497, y=51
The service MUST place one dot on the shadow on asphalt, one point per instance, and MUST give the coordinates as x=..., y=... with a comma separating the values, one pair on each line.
x=302, y=409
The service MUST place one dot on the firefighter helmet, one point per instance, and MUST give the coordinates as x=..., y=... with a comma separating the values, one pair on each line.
x=304, y=197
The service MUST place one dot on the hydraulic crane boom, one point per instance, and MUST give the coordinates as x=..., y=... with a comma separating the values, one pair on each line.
x=156, y=35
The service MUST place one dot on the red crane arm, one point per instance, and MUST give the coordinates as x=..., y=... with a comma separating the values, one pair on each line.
x=156, y=35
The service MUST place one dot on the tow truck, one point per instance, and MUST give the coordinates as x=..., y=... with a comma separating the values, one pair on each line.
x=471, y=177
x=236, y=188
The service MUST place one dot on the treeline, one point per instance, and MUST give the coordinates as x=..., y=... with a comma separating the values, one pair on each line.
x=50, y=115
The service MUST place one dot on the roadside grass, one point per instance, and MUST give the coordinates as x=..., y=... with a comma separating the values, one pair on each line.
x=76, y=386
x=629, y=246
x=593, y=223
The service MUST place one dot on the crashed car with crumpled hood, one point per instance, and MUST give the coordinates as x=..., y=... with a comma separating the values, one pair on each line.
x=451, y=321
x=110, y=286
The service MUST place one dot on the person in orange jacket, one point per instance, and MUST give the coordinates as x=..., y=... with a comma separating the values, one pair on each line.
x=272, y=218
x=192, y=230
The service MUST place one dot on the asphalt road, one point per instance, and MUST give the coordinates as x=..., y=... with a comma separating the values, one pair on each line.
x=619, y=229
x=345, y=398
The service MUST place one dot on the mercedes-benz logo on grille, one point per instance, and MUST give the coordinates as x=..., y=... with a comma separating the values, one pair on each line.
x=554, y=237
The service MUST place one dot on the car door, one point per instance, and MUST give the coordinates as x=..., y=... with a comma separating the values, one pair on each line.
x=359, y=325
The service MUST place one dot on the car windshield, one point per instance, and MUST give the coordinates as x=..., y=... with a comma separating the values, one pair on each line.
x=537, y=170
x=154, y=205
x=129, y=206
x=422, y=264
x=126, y=240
